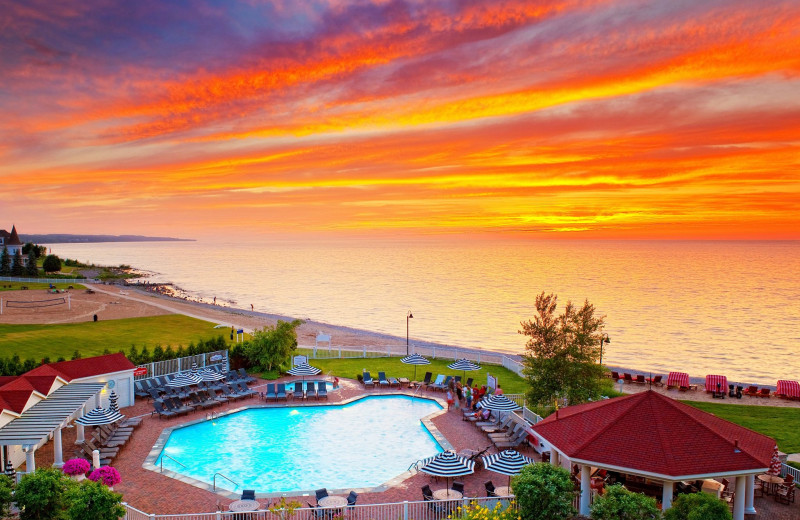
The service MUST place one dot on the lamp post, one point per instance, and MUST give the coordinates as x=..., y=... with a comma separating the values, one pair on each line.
x=603, y=339
x=408, y=317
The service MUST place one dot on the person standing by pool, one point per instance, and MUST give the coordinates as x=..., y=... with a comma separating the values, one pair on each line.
x=459, y=395
x=468, y=396
x=449, y=399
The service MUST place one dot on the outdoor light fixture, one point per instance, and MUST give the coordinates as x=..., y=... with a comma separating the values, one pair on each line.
x=603, y=339
x=408, y=317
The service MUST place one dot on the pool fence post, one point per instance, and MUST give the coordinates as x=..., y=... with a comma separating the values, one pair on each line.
x=405, y=510
x=340, y=352
x=365, y=352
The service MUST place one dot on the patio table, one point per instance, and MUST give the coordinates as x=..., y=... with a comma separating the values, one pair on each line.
x=770, y=483
x=789, y=389
x=240, y=506
x=503, y=491
x=712, y=381
x=332, y=501
x=447, y=494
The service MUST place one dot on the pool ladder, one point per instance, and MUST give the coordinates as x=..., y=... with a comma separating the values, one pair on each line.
x=170, y=458
x=415, y=465
x=223, y=476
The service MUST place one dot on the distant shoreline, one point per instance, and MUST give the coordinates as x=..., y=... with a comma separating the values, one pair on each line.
x=63, y=238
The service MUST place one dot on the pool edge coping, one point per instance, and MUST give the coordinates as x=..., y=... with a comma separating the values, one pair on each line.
x=161, y=441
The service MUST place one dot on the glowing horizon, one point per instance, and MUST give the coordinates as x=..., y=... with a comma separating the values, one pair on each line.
x=554, y=119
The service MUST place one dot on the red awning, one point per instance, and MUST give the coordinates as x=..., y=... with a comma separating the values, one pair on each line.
x=713, y=381
x=789, y=389
x=678, y=379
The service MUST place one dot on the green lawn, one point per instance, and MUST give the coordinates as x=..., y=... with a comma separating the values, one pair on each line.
x=510, y=382
x=16, y=286
x=782, y=424
x=92, y=338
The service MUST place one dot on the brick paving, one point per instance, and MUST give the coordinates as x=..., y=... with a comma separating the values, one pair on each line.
x=152, y=492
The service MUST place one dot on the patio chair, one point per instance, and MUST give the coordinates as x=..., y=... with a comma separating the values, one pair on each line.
x=615, y=375
x=139, y=390
x=215, y=394
x=427, y=494
x=458, y=379
x=764, y=392
x=242, y=389
x=206, y=397
x=352, y=498
x=270, y=393
x=158, y=408
x=628, y=378
x=518, y=439
x=752, y=391
x=499, y=427
x=382, y=379
x=655, y=381
x=393, y=381
x=322, y=390
x=200, y=403
x=318, y=512
x=154, y=394
x=501, y=436
x=85, y=452
x=232, y=375
x=280, y=391
x=248, y=494
x=368, y=381
x=458, y=486
x=784, y=493
x=311, y=390
x=427, y=380
x=321, y=493
x=298, y=390
x=446, y=383
x=489, y=488
x=758, y=488
x=640, y=379
x=247, y=379
x=437, y=383
x=469, y=382
x=175, y=405
x=231, y=393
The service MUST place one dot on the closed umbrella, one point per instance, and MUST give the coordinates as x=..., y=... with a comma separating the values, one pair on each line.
x=463, y=365
x=447, y=464
x=99, y=416
x=415, y=359
x=304, y=369
x=112, y=402
x=508, y=462
x=775, y=463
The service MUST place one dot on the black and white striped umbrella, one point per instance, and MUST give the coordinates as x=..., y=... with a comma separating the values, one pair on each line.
x=184, y=379
x=508, y=462
x=499, y=403
x=209, y=374
x=99, y=416
x=447, y=464
x=463, y=364
x=304, y=369
x=415, y=359
x=112, y=402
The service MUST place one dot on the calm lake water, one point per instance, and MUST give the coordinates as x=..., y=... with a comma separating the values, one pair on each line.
x=729, y=308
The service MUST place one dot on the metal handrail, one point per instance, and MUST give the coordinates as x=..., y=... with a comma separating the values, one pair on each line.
x=223, y=476
x=171, y=458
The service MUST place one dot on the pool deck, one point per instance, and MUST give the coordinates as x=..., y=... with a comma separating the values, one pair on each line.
x=152, y=492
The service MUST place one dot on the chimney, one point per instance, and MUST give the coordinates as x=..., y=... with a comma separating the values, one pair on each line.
x=736, y=446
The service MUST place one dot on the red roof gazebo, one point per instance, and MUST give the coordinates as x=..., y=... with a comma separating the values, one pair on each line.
x=653, y=436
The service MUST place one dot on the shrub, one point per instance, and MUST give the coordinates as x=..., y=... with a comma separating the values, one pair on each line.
x=6, y=494
x=617, y=503
x=107, y=475
x=51, y=264
x=41, y=495
x=93, y=500
x=76, y=467
x=698, y=506
x=544, y=491
x=475, y=511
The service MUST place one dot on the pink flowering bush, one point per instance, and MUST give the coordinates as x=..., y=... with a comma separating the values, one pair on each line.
x=107, y=475
x=76, y=467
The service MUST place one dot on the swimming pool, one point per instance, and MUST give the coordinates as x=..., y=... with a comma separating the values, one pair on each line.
x=282, y=449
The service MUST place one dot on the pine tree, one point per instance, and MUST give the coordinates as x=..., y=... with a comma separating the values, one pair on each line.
x=31, y=269
x=5, y=262
x=17, y=267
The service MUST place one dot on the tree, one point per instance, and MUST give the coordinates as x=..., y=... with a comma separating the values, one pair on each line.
x=17, y=266
x=562, y=352
x=544, y=491
x=51, y=264
x=32, y=269
x=38, y=251
x=5, y=262
x=698, y=506
x=41, y=495
x=94, y=500
x=272, y=346
x=617, y=503
x=6, y=494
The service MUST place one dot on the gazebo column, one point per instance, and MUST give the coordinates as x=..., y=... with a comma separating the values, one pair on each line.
x=586, y=491
x=58, y=452
x=738, y=499
x=748, y=496
x=79, y=435
x=30, y=460
x=666, y=496
x=554, y=457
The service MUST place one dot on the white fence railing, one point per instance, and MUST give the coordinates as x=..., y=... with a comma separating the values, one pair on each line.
x=423, y=510
x=49, y=280
x=181, y=364
x=788, y=470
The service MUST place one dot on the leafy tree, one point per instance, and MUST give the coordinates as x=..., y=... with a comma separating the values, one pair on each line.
x=272, y=346
x=38, y=251
x=6, y=494
x=41, y=495
x=17, y=267
x=51, y=264
x=5, y=262
x=698, y=506
x=32, y=269
x=617, y=503
x=94, y=500
x=562, y=352
x=544, y=491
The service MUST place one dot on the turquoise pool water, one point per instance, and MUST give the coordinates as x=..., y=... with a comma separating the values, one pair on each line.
x=279, y=450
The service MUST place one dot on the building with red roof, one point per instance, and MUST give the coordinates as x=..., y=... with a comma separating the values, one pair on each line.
x=12, y=243
x=652, y=436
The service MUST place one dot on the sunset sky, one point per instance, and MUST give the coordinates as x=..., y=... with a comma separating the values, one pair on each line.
x=549, y=119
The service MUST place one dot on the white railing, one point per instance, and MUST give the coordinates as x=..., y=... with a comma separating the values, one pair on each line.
x=531, y=416
x=430, y=510
x=788, y=470
x=181, y=364
x=49, y=280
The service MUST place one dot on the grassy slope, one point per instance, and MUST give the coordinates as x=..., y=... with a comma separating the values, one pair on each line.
x=510, y=382
x=91, y=339
x=782, y=424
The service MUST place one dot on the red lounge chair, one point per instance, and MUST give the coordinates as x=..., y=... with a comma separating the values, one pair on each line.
x=752, y=391
x=615, y=376
x=764, y=392
x=640, y=379
x=655, y=381
x=628, y=378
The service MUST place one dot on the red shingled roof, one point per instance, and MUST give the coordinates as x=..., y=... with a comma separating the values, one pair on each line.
x=6, y=379
x=80, y=368
x=649, y=432
x=13, y=239
x=16, y=394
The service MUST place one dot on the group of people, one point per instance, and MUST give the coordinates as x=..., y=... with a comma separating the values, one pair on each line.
x=459, y=395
